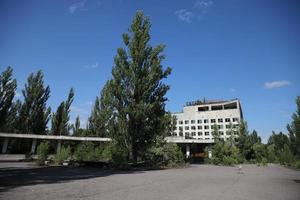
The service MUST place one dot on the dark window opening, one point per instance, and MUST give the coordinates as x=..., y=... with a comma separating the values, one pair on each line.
x=230, y=106
x=204, y=108
x=217, y=108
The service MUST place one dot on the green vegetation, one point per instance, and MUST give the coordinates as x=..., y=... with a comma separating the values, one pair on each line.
x=63, y=154
x=42, y=152
x=281, y=148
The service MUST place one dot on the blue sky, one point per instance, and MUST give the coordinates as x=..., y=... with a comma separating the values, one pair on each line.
x=218, y=49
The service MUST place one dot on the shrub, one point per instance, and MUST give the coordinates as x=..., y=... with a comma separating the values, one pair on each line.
x=62, y=155
x=87, y=151
x=297, y=164
x=42, y=152
x=162, y=154
x=173, y=155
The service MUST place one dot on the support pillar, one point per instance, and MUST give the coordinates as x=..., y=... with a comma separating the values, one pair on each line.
x=58, y=146
x=187, y=150
x=33, y=146
x=5, y=145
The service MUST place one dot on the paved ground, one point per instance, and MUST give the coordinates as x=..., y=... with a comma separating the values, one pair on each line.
x=19, y=181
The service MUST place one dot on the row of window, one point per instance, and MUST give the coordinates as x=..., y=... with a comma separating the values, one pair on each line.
x=206, y=127
x=205, y=121
x=206, y=133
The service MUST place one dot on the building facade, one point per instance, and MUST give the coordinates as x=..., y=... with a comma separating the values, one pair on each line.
x=198, y=119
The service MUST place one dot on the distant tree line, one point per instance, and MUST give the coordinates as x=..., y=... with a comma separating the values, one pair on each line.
x=248, y=148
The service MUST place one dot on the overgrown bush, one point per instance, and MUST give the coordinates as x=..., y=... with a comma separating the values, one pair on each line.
x=224, y=153
x=297, y=164
x=62, y=155
x=87, y=151
x=42, y=152
x=163, y=154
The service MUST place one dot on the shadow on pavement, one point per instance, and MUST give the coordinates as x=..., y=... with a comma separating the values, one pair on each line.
x=15, y=177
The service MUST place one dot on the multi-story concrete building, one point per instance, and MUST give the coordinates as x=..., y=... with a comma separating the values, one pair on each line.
x=198, y=118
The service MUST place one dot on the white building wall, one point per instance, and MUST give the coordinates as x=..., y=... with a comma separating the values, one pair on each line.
x=198, y=124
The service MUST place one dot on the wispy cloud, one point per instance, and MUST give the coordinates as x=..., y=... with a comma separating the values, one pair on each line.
x=198, y=11
x=75, y=6
x=92, y=66
x=184, y=15
x=203, y=6
x=232, y=90
x=276, y=84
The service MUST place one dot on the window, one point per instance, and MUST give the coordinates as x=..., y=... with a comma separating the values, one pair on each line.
x=217, y=108
x=228, y=132
x=227, y=120
x=186, y=128
x=187, y=133
x=220, y=126
x=199, y=133
x=175, y=127
x=213, y=121
x=200, y=127
x=199, y=121
x=230, y=106
x=193, y=133
x=206, y=127
x=204, y=108
x=206, y=138
x=235, y=119
x=206, y=133
x=180, y=134
x=235, y=125
x=227, y=125
x=220, y=120
x=193, y=127
x=180, y=128
x=212, y=126
x=186, y=121
x=205, y=121
x=180, y=122
x=235, y=133
x=192, y=121
x=221, y=133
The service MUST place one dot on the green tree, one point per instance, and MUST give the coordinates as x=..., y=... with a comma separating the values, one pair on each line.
x=279, y=140
x=76, y=127
x=215, y=132
x=294, y=130
x=34, y=113
x=60, y=119
x=8, y=87
x=138, y=93
x=98, y=123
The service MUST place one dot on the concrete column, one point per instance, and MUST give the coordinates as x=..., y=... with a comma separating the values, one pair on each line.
x=33, y=146
x=187, y=150
x=5, y=145
x=58, y=146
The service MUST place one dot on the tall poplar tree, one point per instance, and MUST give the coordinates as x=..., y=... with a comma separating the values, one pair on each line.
x=60, y=119
x=98, y=122
x=8, y=87
x=294, y=130
x=137, y=90
x=34, y=113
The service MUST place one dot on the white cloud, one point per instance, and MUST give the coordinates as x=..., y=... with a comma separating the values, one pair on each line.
x=184, y=15
x=92, y=66
x=232, y=90
x=276, y=84
x=203, y=4
x=75, y=6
